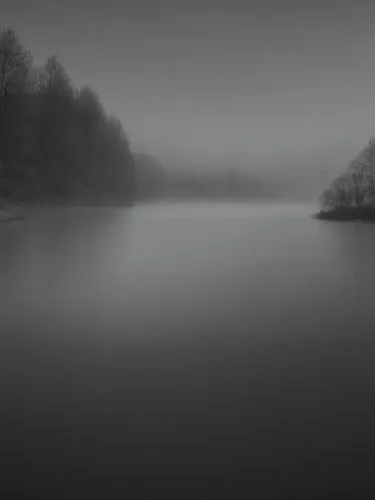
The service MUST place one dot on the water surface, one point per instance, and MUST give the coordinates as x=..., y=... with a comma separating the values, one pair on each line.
x=188, y=350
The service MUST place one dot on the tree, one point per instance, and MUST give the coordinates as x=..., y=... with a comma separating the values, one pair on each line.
x=56, y=116
x=15, y=63
x=91, y=118
x=362, y=169
x=340, y=194
x=56, y=140
x=356, y=184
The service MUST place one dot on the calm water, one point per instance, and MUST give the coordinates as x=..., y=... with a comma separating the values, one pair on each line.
x=189, y=351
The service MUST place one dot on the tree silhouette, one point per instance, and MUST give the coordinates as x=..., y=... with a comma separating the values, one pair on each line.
x=356, y=184
x=56, y=141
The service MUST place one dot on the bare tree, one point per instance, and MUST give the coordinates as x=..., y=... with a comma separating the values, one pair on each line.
x=56, y=79
x=362, y=170
x=340, y=194
x=357, y=184
x=15, y=63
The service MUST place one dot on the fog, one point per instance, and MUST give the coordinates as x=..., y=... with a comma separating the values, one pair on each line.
x=260, y=85
x=153, y=180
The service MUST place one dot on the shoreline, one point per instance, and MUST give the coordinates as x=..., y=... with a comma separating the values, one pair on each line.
x=10, y=212
x=347, y=214
x=18, y=211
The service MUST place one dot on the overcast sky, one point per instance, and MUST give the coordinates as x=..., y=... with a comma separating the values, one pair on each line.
x=271, y=84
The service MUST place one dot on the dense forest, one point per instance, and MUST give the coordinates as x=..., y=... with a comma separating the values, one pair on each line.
x=56, y=141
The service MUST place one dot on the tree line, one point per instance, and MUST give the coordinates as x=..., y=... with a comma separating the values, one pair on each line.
x=355, y=187
x=56, y=140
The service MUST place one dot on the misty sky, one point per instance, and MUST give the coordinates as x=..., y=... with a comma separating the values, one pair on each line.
x=270, y=84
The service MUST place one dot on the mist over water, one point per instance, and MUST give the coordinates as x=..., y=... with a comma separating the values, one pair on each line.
x=190, y=349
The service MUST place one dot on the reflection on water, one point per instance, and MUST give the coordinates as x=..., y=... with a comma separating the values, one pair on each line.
x=225, y=346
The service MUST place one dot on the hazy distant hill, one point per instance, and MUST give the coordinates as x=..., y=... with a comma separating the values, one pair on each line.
x=153, y=181
x=150, y=177
x=218, y=183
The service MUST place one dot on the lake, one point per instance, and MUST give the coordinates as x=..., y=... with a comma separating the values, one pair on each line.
x=187, y=351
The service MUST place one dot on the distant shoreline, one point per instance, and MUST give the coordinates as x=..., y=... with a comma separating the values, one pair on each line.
x=347, y=214
x=15, y=211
